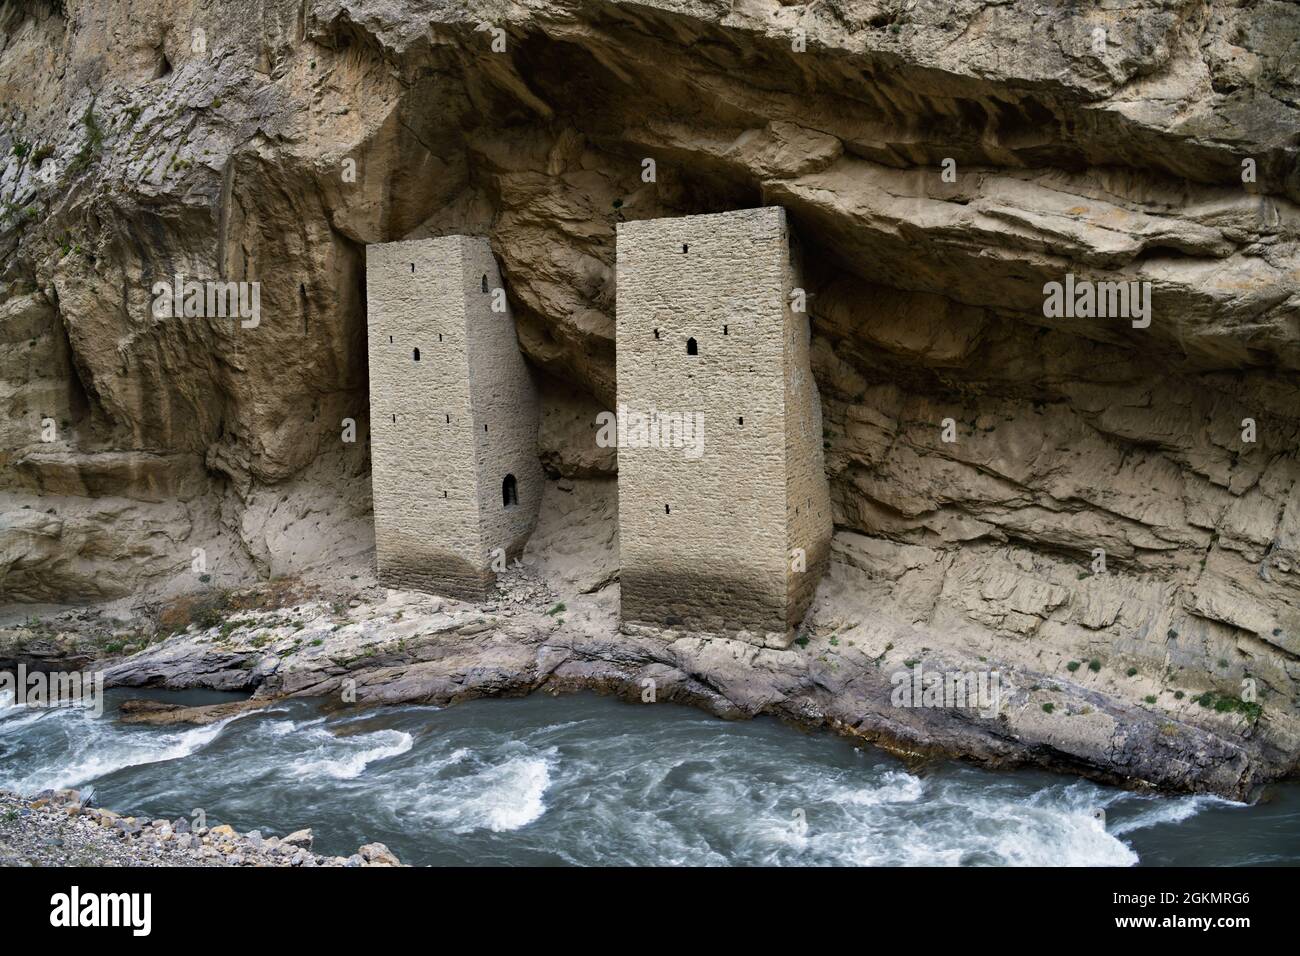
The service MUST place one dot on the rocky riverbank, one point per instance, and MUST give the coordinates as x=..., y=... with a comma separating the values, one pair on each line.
x=60, y=828
x=371, y=646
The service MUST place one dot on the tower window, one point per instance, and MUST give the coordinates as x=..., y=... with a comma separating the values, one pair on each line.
x=415, y=354
x=740, y=420
x=667, y=510
x=394, y=419
x=448, y=419
x=509, y=491
x=684, y=248
x=485, y=282
x=390, y=340
x=412, y=267
x=724, y=330
x=485, y=428
x=692, y=348
x=656, y=333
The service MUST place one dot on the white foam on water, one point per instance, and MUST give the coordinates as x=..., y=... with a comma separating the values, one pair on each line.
x=283, y=728
x=16, y=718
x=894, y=818
x=1171, y=810
x=346, y=758
x=100, y=747
x=499, y=797
x=514, y=797
x=895, y=786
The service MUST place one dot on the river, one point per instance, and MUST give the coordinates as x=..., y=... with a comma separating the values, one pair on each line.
x=587, y=780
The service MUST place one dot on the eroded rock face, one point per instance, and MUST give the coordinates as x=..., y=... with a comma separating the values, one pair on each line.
x=131, y=156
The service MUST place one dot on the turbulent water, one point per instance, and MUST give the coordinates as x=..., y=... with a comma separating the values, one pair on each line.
x=586, y=780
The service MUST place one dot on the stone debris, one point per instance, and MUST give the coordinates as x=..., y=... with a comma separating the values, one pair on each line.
x=58, y=828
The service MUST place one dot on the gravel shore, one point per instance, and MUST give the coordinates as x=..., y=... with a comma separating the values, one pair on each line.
x=59, y=828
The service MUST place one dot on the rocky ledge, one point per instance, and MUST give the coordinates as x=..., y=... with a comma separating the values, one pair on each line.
x=60, y=828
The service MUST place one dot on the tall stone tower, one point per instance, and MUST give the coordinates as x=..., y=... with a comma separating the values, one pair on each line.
x=453, y=417
x=729, y=534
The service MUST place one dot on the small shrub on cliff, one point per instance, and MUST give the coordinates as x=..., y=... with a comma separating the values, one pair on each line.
x=205, y=618
x=94, y=143
x=1072, y=666
x=1226, y=705
x=557, y=609
x=1150, y=698
x=1131, y=672
x=1049, y=707
x=1094, y=665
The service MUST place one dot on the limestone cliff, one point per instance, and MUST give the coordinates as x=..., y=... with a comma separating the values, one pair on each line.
x=1150, y=141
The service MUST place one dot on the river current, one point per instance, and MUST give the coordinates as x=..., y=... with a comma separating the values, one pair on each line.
x=586, y=780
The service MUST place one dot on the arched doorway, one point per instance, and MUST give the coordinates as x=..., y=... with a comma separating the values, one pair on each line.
x=509, y=491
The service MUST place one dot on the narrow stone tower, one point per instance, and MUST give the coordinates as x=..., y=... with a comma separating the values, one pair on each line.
x=453, y=417
x=728, y=530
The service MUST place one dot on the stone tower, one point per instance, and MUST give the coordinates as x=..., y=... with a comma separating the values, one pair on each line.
x=453, y=417
x=729, y=534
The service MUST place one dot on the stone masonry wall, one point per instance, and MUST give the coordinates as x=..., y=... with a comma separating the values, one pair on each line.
x=442, y=367
x=703, y=541
x=505, y=408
